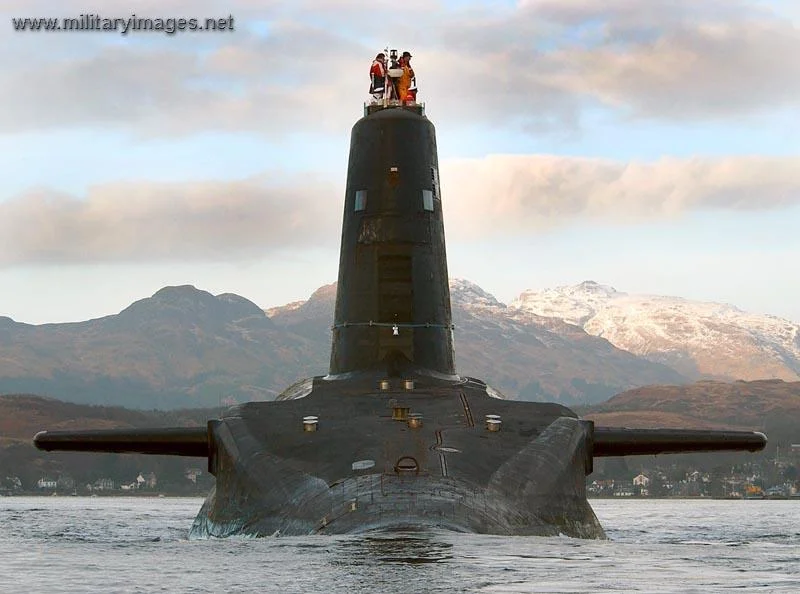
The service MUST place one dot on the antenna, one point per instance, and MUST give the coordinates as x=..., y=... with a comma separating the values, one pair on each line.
x=386, y=77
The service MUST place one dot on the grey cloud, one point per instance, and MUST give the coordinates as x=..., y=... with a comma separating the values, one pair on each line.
x=269, y=85
x=533, y=67
x=144, y=221
x=115, y=85
x=676, y=60
x=692, y=73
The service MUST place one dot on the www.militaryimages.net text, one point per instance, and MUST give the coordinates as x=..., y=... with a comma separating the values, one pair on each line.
x=123, y=26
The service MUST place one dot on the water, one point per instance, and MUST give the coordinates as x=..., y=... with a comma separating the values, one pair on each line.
x=72, y=544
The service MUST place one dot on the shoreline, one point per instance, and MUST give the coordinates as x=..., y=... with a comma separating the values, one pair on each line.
x=166, y=494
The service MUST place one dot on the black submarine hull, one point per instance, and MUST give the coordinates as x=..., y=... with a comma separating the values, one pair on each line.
x=363, y=468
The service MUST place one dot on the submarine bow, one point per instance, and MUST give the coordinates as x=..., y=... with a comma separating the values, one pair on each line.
x=392, y=437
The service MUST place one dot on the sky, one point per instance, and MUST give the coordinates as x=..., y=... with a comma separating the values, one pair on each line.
x=651, y=145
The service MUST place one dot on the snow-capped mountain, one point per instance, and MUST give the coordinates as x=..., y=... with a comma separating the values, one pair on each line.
x=520, y=358
x=699, y=339
x=467, y=294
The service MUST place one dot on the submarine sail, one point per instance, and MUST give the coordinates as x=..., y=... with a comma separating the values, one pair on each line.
x=393, y=299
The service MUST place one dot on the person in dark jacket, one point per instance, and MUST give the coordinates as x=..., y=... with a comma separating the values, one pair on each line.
x=377, y=77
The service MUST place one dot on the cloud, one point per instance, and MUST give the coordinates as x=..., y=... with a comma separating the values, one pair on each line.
x=548, y=60
x=142, y=221
x=534, y=66
x=691, y=73
x=169, y=92
x=515, y=195
x=496, y=196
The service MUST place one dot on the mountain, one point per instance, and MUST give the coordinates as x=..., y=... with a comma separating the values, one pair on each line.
x=698, y=339
x=23, y=415
x=184, y=347
x=518, y=357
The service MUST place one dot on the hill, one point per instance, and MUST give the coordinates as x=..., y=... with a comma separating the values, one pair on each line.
x=771, y=406
x=22, y=416
x=184, y=347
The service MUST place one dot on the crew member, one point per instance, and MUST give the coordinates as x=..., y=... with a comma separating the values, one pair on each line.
x=377, y=77
x=404, y=83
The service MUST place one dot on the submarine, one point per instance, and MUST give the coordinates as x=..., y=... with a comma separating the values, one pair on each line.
x=392, y=437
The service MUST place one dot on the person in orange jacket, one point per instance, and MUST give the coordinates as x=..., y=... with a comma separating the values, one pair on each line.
x=404, y=83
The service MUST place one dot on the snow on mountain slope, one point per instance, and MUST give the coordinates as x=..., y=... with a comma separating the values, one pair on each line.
x=547, y=360
x=698, y=339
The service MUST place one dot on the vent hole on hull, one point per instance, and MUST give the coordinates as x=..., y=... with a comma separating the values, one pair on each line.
x=406, y=465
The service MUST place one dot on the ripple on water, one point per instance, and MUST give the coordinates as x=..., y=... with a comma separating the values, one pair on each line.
x=133, y=545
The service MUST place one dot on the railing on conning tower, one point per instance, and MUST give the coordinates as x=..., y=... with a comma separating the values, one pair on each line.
x=372, y=107
x=388, y=98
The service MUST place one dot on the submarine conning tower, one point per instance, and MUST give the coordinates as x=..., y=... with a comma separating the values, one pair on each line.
x=393, y=300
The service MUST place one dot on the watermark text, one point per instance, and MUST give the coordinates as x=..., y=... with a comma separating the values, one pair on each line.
x=124, y=26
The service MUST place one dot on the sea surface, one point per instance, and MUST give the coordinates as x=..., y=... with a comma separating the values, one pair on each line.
x=115, y=544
